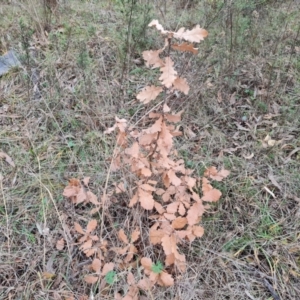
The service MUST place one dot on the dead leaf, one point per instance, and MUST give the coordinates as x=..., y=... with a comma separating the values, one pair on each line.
x=149, y=93
x=60, y=244
x=168, y=75
x=196, y=35
x=185, y=47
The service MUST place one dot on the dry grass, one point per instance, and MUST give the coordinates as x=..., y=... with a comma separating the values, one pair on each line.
x=245, y=86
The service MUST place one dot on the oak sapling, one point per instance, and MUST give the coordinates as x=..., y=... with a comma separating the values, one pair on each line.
x=163, y=186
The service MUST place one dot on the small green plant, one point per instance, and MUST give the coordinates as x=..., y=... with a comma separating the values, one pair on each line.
x=157, y=268
x=110, y=277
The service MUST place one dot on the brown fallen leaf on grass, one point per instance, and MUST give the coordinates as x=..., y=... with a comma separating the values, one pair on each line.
x=77, y=193
x=7, y=158
x=155, y=274
x=87, y=239
x=214, y=174
x=60, y=244
x=129, y=249
x=100, y=269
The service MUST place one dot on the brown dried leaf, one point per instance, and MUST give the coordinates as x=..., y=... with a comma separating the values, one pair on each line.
x=86, y=181
x=146, y=199
x=149, y=93
x=96, y=265
x=60, y=244
x=173, y=178
x=78, y=228
x=185, y=47
x=146, y=263
x=166, y=243
x=198, y=231
x=195, y=35
x=181, y=85
x=168, y=75
x=166, y=279
x=122, y=236
x=91, y=226
x=172, y=208
x=133, y=200
x=213, y=173
x=91, y=279
x=179, y=223
x=158, y=26
x=196, y=210
x=130, y=279
x=152, y=58
x=174, y=118
x=135, y=235
x=92, y=198
x=107, y=268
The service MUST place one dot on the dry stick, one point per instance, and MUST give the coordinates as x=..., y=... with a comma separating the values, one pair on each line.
x=127, y=56
x=105, y=188
x=6, y=214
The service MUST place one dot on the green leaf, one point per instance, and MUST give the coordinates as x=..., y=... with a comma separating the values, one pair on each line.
x=110, y=277
x=157, y=268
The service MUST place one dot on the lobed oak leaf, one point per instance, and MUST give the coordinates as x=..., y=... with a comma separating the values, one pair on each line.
x=159, y=207
x=212, y=196
x=166, y=279
x=133, y=200
x=147, y=187
x=146, y=199
x=135, y=235
x=91, y=226
x=175, y=118
x=91, y=279
x=147, y=139
x=196, y=210
x=145, y=284
x=107, y=268
x=167, y=245
x=96, y=265
x=196, y=34
x=213, y=173
x=122, y=236
x=173, y=178
x=149, y=93
x=152, y=58
x=169, y=217
x=130, y=279
x=198, y=231
x=133, y=150
x=60, y=244
x=146, y=263
x=173, y=207
x=146, y=172
x=168, y=75
x=158, y=26
x=155, y=234
x=156, y=127
x=185, y=47
x=181, y=85
x=181, y=209
x=179, y=223
x=78, y=228
x=92, y=198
